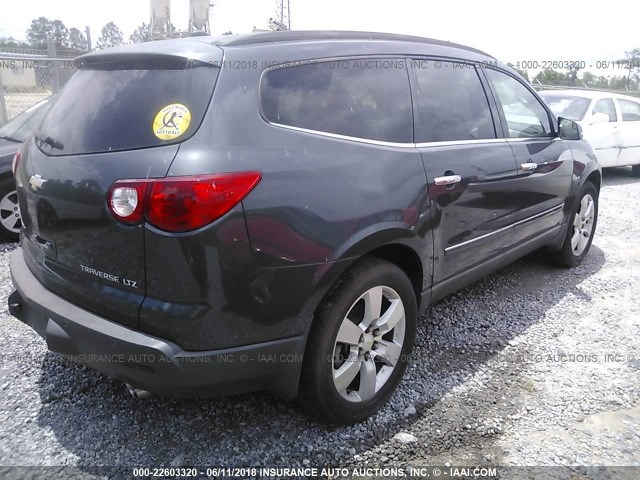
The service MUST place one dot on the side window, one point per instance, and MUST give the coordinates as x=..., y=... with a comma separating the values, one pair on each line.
x=364, y=98
x=525, y=115
x=605, y=106
x=630, y=110
x=452, y=104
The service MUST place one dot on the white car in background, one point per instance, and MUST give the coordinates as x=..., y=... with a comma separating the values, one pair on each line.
x=610, y=122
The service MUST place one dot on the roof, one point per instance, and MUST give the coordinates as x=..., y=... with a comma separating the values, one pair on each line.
x=301, y=36
x=208, y=48
x=592, y=94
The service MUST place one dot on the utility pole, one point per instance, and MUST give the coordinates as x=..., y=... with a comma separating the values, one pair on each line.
x=88, y=30
x=209, y=16
x=282, y=20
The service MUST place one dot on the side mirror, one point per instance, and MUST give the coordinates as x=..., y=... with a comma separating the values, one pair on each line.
x=569, y=130
x=600, y=117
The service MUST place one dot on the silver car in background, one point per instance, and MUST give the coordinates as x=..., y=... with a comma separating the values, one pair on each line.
x=610, y=123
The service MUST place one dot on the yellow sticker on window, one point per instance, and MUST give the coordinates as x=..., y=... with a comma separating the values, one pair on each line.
x=172, y=121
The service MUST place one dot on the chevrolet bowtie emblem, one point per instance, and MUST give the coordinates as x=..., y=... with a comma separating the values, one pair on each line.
x=36, y=182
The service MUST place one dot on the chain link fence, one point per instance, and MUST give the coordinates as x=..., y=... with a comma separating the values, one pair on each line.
x=28, y=76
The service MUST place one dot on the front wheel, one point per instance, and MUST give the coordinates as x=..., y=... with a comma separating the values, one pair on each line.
x=581, y=229
x=359, y=343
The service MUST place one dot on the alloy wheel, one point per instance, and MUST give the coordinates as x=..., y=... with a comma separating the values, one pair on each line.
x=369, y=344
x=583, y=225
x=10, y=212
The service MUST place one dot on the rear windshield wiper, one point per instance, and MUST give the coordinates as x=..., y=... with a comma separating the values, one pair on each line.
x=52, y=142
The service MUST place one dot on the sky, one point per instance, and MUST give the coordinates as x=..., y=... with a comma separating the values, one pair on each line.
x=511, y=31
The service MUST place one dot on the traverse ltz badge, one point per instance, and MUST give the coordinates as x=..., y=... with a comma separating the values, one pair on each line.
x=171, y=122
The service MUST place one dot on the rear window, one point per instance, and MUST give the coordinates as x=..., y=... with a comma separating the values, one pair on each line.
x=104, y=110
x=368, y=98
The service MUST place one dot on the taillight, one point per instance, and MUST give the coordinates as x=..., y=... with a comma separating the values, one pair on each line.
x=16, y=160
x=179, y=204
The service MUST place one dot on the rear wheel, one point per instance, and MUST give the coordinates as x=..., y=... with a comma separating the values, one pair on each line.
x=10, y=219
x=581, y=229
x=359, y=343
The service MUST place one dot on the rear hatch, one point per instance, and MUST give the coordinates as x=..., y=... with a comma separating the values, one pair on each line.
x=121, y=116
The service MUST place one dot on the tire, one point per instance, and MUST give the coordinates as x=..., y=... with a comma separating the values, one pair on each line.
x=10, y=220
x=635, y=170
x=326, y=389
x=584, y=220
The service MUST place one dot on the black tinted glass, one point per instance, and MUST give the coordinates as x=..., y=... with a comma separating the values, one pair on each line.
x=357, y=98
x=111, y=110
x=452, y=104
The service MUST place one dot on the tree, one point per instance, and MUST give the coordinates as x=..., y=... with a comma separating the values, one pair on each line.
x=572, y=76
x=617, y=82
x=43, y=30
x=11, y=42
x=588, y=79
x=39, y=32
x=77, y=40
x=549, y=76
x=141, y=34
x=601, y=82
x=111, y=36
x=591, y=81
x=633, y=56
x=60, y=33
x=524, y=73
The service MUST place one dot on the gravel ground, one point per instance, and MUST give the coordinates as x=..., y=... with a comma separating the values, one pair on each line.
x=533, y=365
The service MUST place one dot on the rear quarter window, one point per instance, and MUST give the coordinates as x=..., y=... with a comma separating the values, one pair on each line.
x=361, y=98
x=630, y=110
x=111, y=109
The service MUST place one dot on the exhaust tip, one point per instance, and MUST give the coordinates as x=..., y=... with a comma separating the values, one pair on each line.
x=137, y=393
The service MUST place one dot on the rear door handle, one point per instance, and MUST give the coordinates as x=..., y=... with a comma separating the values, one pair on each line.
x=448, y=180
x=529, y=167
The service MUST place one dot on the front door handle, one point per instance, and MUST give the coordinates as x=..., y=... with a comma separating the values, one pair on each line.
x=529, y=167
x=448, y=180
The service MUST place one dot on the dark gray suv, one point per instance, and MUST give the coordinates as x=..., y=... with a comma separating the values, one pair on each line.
x=274, y=211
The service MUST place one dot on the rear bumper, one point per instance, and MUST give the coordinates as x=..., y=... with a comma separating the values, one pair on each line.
x=149, y=362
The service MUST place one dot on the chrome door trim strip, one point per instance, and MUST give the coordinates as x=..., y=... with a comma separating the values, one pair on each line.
x=381, y=143
x=337, y=136
x=460, y=142
x=508, y=227
x=532, y=139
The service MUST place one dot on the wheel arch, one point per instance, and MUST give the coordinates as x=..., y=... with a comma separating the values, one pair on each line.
x=397, y=252
x=595, y=177
x=405, y=258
